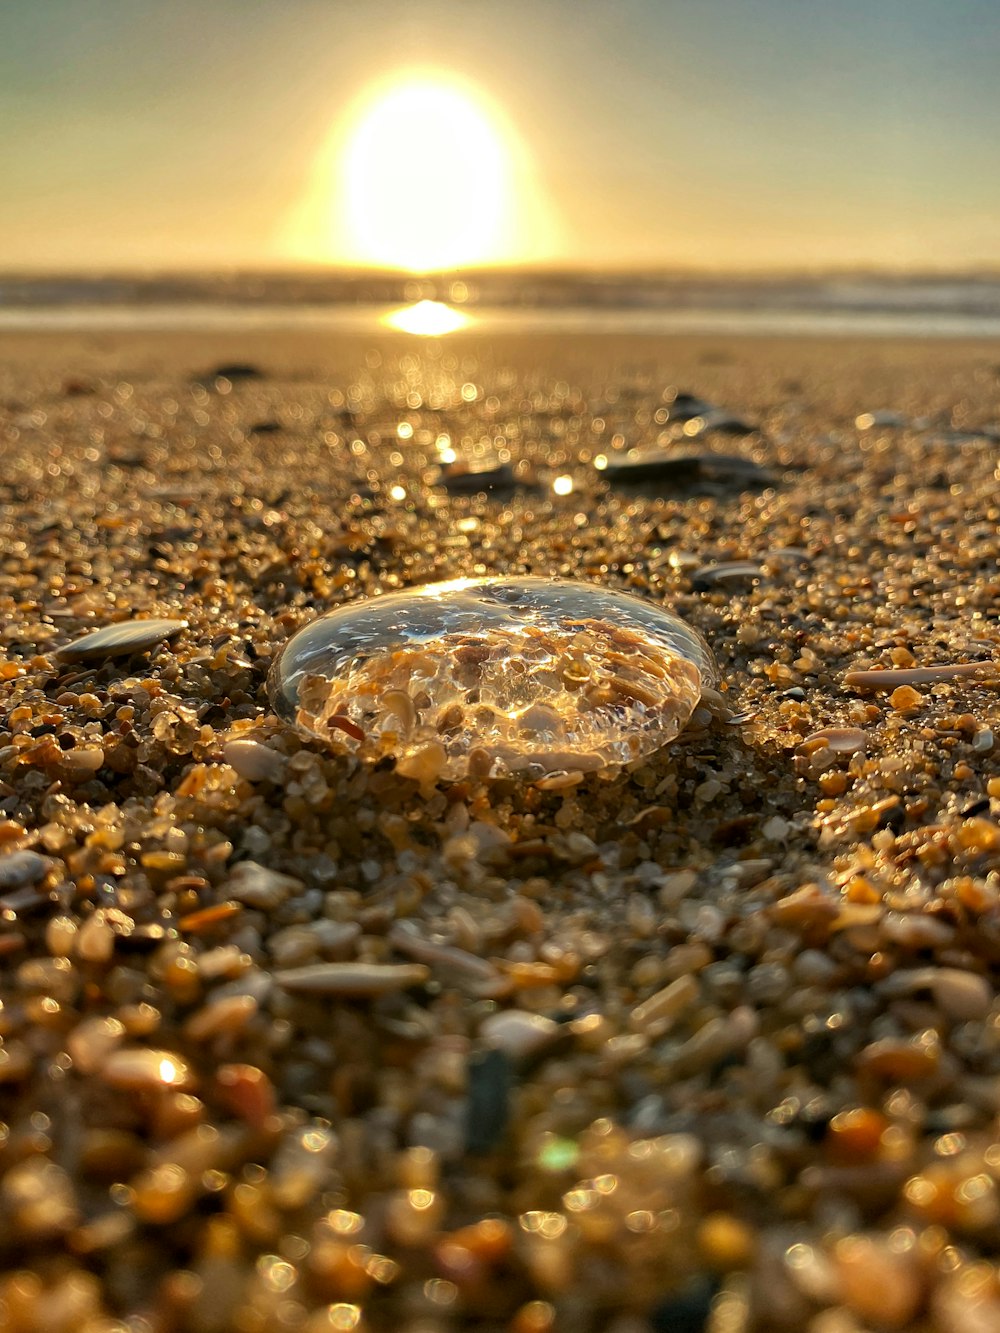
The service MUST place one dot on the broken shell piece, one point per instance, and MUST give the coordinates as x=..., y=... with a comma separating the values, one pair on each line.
x=545, y=678
x=844, y=740
x=120, y=640
x=889, y=679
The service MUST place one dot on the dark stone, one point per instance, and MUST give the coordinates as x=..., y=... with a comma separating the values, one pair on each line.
x=699, y=473
x=237, y=370
x=977, y=808
x=487, y=1112
x=462, y=480
x=687, y=1310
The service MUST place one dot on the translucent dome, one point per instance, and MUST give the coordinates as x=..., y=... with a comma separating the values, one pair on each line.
x=488, y=677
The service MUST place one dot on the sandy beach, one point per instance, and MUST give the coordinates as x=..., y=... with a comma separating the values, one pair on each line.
x=290, y=1041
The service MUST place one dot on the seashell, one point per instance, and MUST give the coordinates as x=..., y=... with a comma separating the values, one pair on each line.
x=120, y=640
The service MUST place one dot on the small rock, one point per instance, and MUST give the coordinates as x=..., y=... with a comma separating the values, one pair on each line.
x=963, y=996
x=253, y=761
x=129, y=636
x=519, y=1034
x=257, y=886
x=39, y=1199
x=979, y=835
x=358, y=980
x=20, y=868
x=899, y=1061
x=143, y=1069
x=463, y=479
x=659, y=1010
x=95, y=940
x=237, y=370
x=247, y=1092
x=490, y=1083
x=92, y=1041
x=878, y=1283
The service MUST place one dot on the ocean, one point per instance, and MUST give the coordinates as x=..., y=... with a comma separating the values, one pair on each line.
x=508, y=301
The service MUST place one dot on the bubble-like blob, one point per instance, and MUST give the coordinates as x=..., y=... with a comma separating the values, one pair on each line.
x=489, y=677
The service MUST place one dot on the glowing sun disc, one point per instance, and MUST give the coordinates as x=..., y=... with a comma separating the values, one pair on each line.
x=430, y=319
x=427, y=179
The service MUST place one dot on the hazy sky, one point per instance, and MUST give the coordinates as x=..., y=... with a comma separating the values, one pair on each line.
x=732, y=133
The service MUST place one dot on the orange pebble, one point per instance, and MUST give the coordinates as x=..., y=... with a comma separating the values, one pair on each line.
x=856, y=1134
x=209, y=916
x=535, y=1317
x=905, y=698
x=247, y=1092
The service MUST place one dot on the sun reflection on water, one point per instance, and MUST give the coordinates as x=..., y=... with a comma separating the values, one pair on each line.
x=428, y=319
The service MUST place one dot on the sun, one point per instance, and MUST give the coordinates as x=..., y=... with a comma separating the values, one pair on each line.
x=427, y=178
x=424, y=172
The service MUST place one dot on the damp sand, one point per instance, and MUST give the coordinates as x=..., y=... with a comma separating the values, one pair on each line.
x=290, y=1041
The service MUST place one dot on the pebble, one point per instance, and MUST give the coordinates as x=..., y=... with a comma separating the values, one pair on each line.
x=92, y=1041
x=141, y=1068
x=120, y=640
x=962, y=995
x=441, y=955
x=657, y=1012
x=18, y=869
x=253, y=761
x=487, y=1111
x=258, y=886
x=352, y=979
x=519, y=1034
x=463, y=479
x=878, y=1281
x=224, y=1016
x=95, y=940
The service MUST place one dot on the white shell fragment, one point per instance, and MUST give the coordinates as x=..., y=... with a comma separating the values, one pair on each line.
x=889, y=678
x=129, y=636
x=490, y=677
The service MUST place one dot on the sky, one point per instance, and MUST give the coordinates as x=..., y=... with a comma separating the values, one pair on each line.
x=707, y=134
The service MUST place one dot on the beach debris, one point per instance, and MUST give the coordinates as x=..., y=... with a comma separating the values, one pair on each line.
x=254, y=762
x=20, y=869
x=120, y=640
x=76, y=386
x=494, y=677
x=487, y=1110
x=891, y=678
x=683, y=406
x=520, y=1034
x=353, y=980
x=969, y=435
x=730, y=571
x=870, y=420
x=465, y=478
x=719, y=422
x=237, y=370
x=258, y=886
x=657, y=464
x=839, y=740
x=141, y=1068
